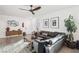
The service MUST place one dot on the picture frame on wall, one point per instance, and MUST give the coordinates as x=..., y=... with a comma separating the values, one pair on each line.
x=54, y=22
x=13, y=23
x=46, y=23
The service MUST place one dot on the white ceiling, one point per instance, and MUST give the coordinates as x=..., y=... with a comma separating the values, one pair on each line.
x=13, y=10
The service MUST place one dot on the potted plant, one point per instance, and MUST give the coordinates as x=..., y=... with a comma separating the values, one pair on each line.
x=71, y=28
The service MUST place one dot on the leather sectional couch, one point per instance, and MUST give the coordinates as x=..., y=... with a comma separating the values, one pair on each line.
x=54, y=39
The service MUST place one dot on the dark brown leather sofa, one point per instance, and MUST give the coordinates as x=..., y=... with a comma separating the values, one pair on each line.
x=47, y=34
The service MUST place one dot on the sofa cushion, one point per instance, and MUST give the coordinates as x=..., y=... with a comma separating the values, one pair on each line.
x=53, y=34
x=44, y=34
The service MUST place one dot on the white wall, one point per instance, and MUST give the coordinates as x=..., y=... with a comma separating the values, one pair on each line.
x=29, y=24
x=64, y=13
x=3, y=25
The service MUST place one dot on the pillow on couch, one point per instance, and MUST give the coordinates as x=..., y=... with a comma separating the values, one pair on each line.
x=54, y=34
x=45, y=34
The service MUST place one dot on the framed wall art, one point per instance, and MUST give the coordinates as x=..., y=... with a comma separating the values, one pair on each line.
x=13, y=23
x=46, y=23
x=54, y=22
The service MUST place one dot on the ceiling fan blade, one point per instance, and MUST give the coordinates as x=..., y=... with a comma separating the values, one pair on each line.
x=36, y=9
x=27, y=10
x=32, y=12
x=23, y=9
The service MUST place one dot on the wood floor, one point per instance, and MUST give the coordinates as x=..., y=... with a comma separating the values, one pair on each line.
x=65, y=49
x=9, y=40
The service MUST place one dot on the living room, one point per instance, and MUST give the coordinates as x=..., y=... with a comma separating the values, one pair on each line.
x=47, y=19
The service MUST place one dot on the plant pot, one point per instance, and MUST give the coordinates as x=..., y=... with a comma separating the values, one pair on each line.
x=77, y=44
x=69, y=44
x=72, y=45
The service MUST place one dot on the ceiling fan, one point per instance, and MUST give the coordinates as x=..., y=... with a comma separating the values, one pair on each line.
x=32, y=9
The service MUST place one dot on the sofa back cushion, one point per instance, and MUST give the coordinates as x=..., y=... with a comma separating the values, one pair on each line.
x=47, y=33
